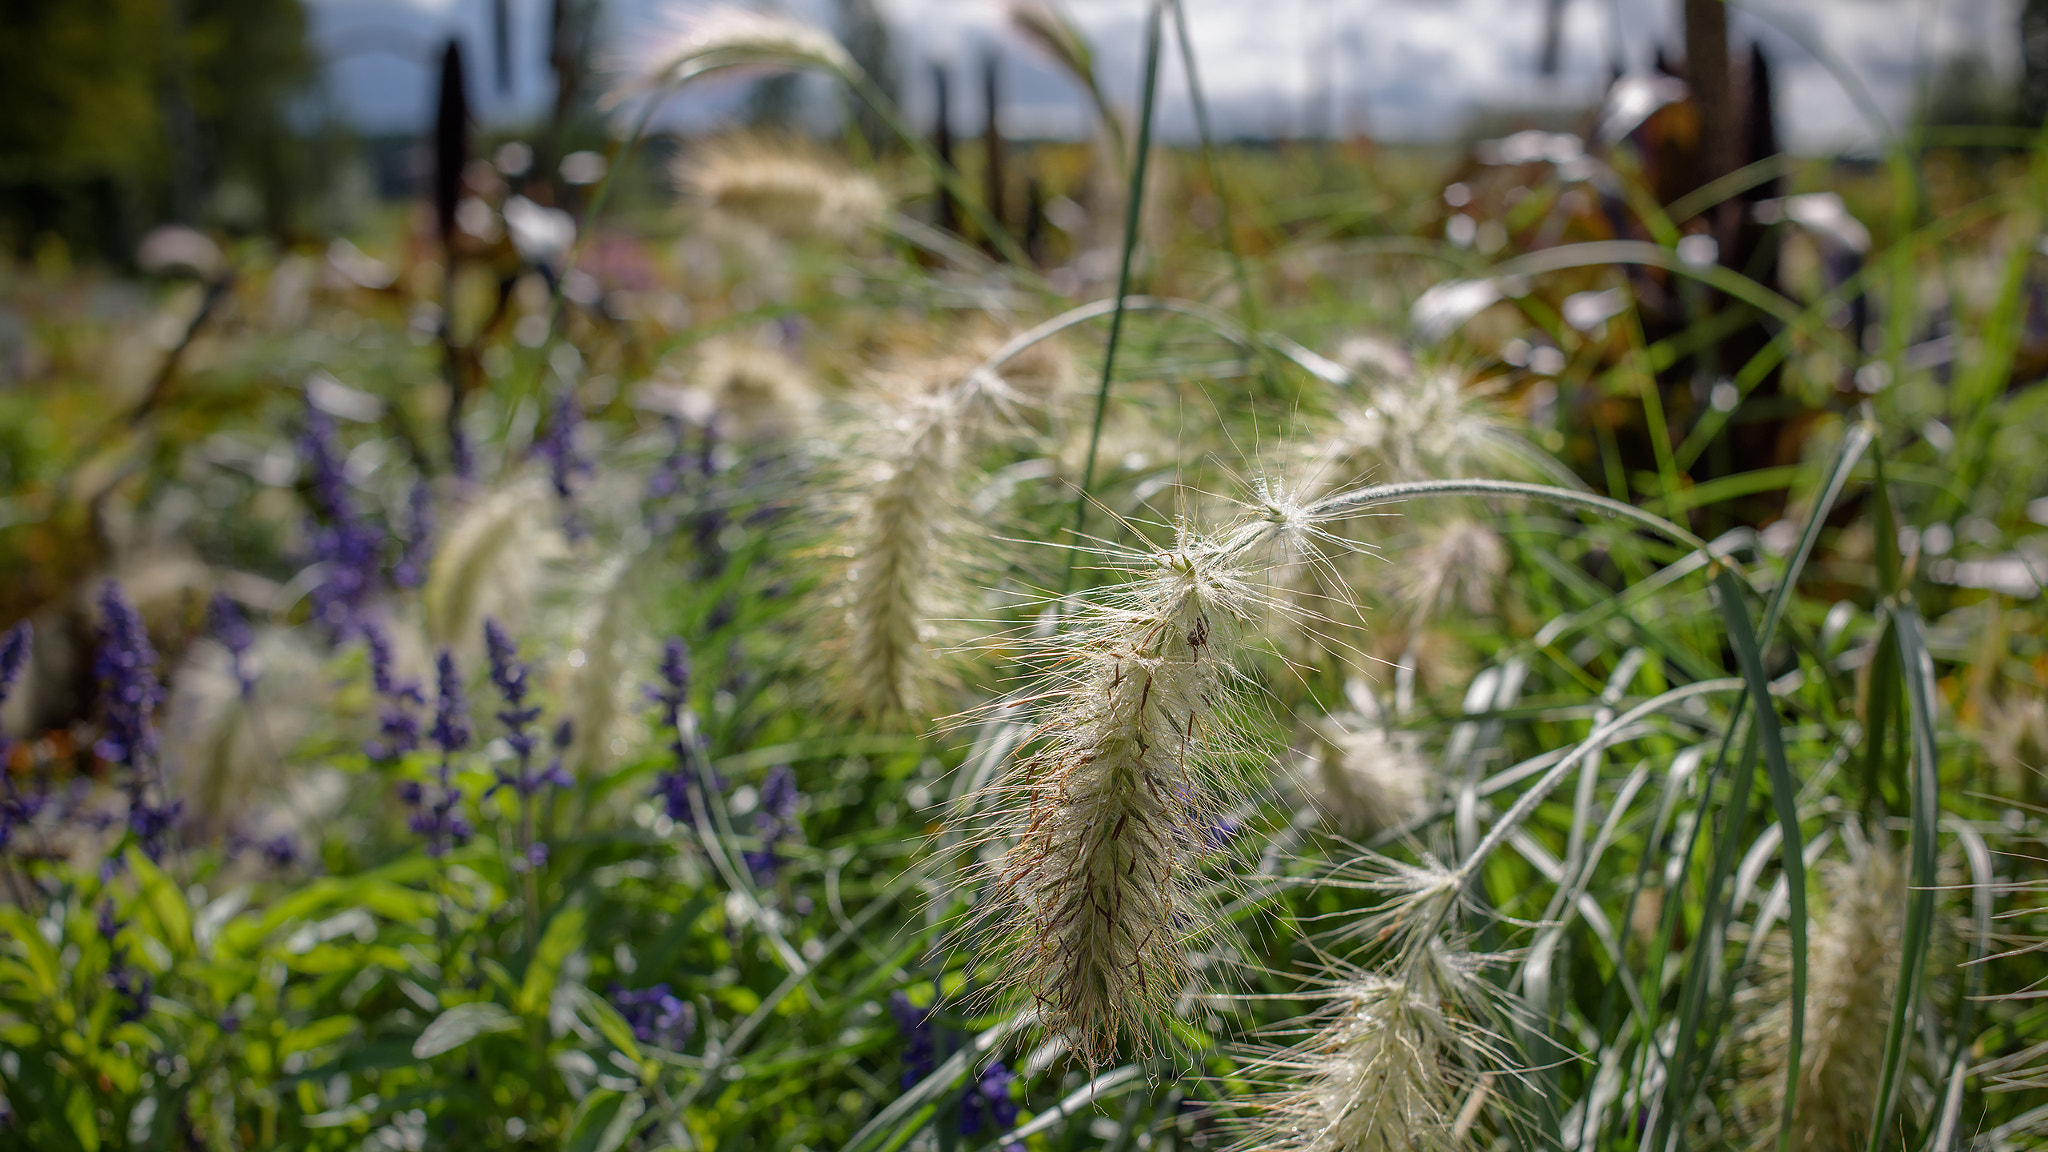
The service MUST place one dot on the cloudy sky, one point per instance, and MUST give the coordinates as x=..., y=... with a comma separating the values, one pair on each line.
x=1399, y=69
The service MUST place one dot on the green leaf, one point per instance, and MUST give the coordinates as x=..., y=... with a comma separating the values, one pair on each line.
x=563, y=937
x=42, y=959
x=165, y=901
x=78, y=1112
x=316, y=1034
x=606, y=1019
x=1886, y=528
x=1785, y=798
x=461, y=1024
x=603, y=1121
x=1918, y=668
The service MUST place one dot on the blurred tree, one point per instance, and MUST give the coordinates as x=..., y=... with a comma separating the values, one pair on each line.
x=116, y=114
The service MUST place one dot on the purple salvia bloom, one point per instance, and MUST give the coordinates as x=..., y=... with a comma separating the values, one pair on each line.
x=451, y=711
x=15, y=808
x=14, y=649
x=398, y=726
x=557, y=445
x=125, y=666
x=673, y=787
x=347, y=547
x=774, y=821
x=922, y=1055
x=988, y=1100
x=438, y=816
x=778, y=794
x=441, y=822
x=280, y=852
x=411, y=569
x=462, y=457
x=508, y=674
x=656, y=1014
x=232, y=629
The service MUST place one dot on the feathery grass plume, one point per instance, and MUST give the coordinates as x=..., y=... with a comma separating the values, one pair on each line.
x=1053, y=33
x=601, y=690
x=1415, y=426
x=1366, y=777
x=1458, y=563
x=491, y=563
x=1853, y=968
x=728, y=37
x=1109, y=818
x=230, y=719
x=751, y=392
x=905, y=476
x=782, y=185
x=1400, y=1057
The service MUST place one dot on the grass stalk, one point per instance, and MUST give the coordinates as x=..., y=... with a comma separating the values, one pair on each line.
x=1133, y=209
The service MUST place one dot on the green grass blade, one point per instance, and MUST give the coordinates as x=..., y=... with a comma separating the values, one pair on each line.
x=1785, y=797
x=1133, y=208
x=1692, y=996
x=1917, y=667
x=1858, y=438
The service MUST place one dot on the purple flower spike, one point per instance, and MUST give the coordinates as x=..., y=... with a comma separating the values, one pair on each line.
x=14, y=649
x=125, y=666
x=348, y=548
x=921, y=1057
x=672, y=787
x=656, y=1015
x=232, y=629
x=411, y=569
x=774, y=821
x=451, y=711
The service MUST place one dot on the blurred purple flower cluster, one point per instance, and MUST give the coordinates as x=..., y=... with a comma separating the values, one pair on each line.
x=124, y=664
x=398, y=726
x=437, y=815
x=672, y=695
x=775, y=820
x=16, y=808
x=508, y=675
x=921, y=1053
x=656, y=1015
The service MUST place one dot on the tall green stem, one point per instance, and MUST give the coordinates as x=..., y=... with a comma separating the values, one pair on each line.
x=1132, y=211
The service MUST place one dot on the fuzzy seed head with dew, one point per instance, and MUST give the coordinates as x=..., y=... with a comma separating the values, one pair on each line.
x=224, y=742
x=1419, y=425
x=780, y=185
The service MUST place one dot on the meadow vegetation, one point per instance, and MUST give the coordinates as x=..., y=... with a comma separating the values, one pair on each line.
x=775, y=654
